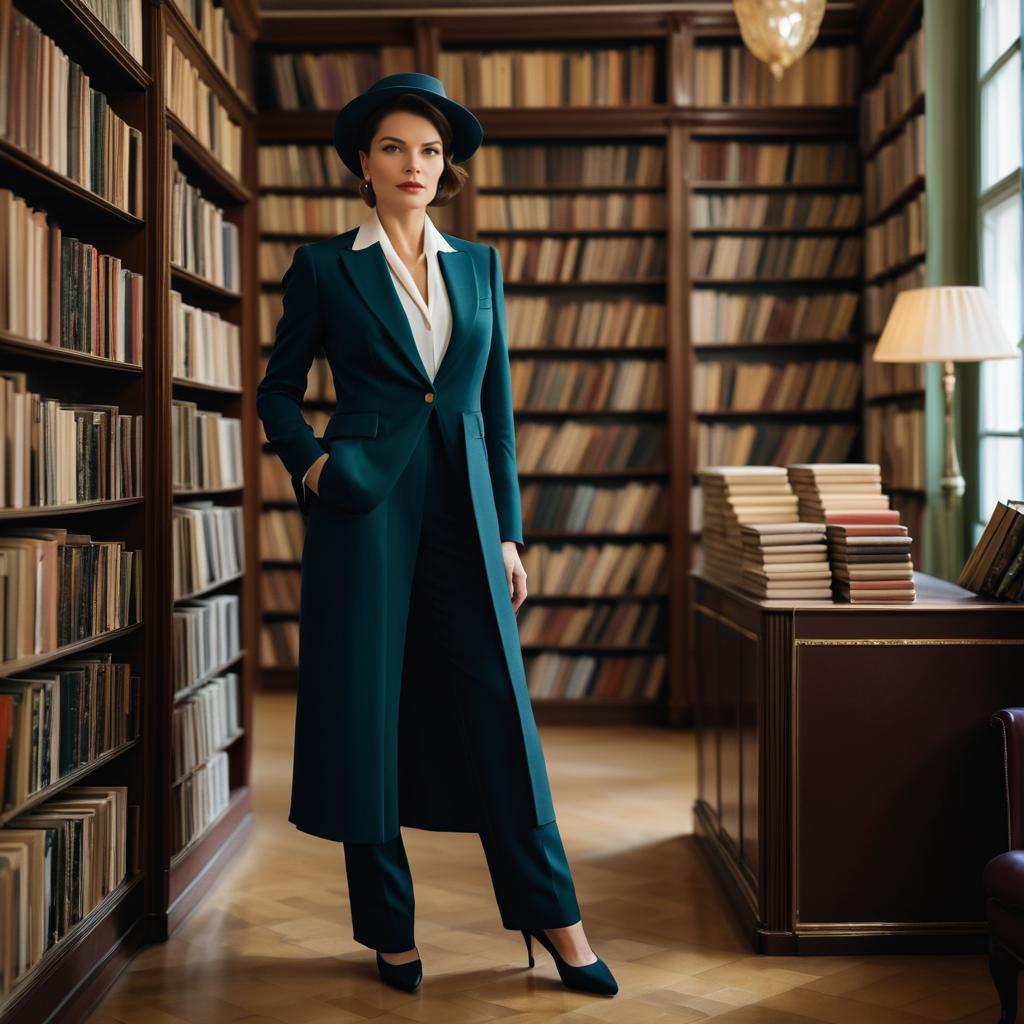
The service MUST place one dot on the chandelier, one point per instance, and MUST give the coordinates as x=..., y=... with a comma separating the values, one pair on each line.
x=779, y=32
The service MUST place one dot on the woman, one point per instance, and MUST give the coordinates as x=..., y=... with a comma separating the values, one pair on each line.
x=412, y=706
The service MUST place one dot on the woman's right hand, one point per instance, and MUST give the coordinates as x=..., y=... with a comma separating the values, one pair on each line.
x=313, y=474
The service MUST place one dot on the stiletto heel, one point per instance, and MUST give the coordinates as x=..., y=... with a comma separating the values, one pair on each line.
x=407, y=977
x=595, y=977
x=529, y=945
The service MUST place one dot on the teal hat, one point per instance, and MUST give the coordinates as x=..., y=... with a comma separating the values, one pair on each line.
x=467, y=132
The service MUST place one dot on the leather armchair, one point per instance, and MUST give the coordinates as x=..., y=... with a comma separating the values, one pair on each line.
x=1003, y=876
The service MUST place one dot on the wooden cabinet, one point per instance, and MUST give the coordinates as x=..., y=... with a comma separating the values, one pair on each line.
x=850, y=786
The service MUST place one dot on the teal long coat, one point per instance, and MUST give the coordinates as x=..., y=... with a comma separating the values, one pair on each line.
x=360, y=545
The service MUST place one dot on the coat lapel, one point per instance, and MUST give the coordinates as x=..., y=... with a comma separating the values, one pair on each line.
x=368, y=270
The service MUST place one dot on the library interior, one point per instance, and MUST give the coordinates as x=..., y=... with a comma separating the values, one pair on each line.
x=583, y=441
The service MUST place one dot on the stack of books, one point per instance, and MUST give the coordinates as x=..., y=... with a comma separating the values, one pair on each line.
x=734, y=496
x=869, y=549
x=785, y=562
x=995, y=567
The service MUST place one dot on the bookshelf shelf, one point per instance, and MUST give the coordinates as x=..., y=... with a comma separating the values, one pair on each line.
x=200, y=289
x=603, y=648
x=185, y=384
x=33, y=180
x=750, y=414
x=202, y=492
x=70, y=779
x=778, y=343
x=721, y=283
x=14, y=344
x=597, y=352
x=895, y=396
x=203, y=168
x=893, y=130
x=785, y=186
x=739, y=232
x=896, y=270
x=210, y=588
x=78, y=508
x=588, y=414
x=223, y=667
x=910, y=192
x=237, y=735
x=9, y=668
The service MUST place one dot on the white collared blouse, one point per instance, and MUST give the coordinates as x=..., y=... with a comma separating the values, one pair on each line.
x=431, y=322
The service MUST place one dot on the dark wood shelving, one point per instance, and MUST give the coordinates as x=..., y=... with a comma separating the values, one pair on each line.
x=215, y=180
x=187, y=281
x=751, y=414
x=895, y=396
x=894, y=129
x=599, y=352
x=184, y=384
x=15, y=344
x=210, y=588
x=916, y=186
x=898, y=268
x=223, y=667
x=788, y=186
x=776, y=230
x=746, y=346
x=33, y=661
x=78, y=508
x=724, y=283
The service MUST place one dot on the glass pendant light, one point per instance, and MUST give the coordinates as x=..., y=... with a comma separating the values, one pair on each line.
x=779, y=32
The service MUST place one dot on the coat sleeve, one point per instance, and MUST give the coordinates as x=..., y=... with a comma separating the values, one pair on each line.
x=499, y=428
x=279, y=394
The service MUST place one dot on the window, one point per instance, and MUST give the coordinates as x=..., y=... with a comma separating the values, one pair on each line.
x=1001, y=396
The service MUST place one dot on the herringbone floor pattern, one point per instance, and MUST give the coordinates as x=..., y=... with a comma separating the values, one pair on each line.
x=273, y=942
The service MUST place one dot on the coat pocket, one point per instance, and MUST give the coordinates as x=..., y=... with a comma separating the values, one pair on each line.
x=485, y=302
x=352, y=424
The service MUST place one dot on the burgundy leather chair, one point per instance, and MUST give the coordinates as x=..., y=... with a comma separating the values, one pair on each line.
x=1003, y=876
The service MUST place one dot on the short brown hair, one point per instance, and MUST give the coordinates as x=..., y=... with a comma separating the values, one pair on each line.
x=453, y=177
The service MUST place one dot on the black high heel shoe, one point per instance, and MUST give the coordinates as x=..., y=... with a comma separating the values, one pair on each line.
x=595, y=977
x=407, y=977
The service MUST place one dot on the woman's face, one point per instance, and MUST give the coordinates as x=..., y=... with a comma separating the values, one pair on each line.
x=407, y=148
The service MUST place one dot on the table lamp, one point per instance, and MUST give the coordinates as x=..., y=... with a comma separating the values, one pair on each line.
x=945, y=324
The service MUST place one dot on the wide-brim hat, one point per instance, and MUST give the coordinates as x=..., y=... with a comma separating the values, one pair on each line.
x=467, y=132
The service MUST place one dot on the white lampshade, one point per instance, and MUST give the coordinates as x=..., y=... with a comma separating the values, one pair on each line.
x=956, y=323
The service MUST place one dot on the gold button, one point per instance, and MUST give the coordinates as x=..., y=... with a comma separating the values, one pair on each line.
x=429, y=396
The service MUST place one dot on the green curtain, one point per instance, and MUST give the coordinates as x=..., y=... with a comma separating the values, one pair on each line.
x=952, y=155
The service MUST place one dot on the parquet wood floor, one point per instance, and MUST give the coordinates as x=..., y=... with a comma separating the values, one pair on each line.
x=272, y=943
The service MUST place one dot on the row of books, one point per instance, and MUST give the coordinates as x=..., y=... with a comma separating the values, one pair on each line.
x=618, y=623
x=879, y=296
x=279, y=643
x=311, y=215
x=205, y=348
x=62, y=717
x=581, y=259
x=774, y=163
x=728, y=75
x=727, y=257
x=552, y=676
x=206, y=633
x=324, y=80
x=827, y=384
x=198, y=799
x=61, y=453
x=279, y=590
x=572, y=446
x=894, y=437
x=297, y=165
x=586, y=212
x=772, y=444
x=123, y=20
x=63, y=292
x=591, y=77
x=571, y=166
x=58, y=862
x=593, y=569
x=61, y=587
x=282, y=534
x=208, y=545
x=895, y=93
x=219, y=39
x=895, y=167
x=897, y=238
x=202, y=240
x=995, y=568
x=75, y=132
x=206, y=448
x=197, y=106
x=890, y=378
x=721, y=316
x=534, y=322
x=589, y=384
x=591, y=508
x=775, y=210
x=202, y=723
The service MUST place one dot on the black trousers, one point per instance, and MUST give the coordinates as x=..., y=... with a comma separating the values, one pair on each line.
x=528, y=867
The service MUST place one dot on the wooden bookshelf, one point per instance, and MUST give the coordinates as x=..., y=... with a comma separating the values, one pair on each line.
x=892, y=122
x=162, y=884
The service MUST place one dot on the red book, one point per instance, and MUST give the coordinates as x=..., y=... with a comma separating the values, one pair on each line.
x=890, y=515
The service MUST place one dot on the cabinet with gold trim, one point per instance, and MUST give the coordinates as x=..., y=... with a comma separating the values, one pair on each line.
x=849, y=783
